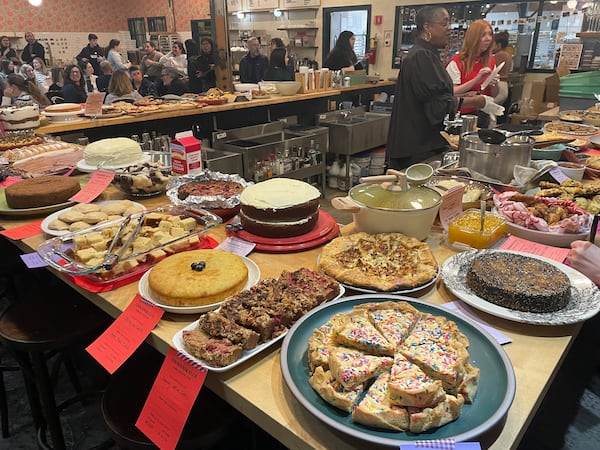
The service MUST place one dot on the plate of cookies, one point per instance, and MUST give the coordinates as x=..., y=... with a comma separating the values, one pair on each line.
x=85, y=215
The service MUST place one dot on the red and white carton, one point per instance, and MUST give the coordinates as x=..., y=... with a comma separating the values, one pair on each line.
x=186, y=154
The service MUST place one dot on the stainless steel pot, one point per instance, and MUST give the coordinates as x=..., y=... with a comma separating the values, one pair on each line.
x=378, y=210
x=494, y=160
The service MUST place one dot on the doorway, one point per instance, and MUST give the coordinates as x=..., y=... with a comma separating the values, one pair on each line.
x=352, y=18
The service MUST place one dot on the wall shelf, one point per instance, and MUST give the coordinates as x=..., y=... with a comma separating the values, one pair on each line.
x=296, y=28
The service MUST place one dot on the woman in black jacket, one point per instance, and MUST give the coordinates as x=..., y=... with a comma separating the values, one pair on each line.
x=73, y=90
x=342, y=56
x=277, y=70
x=202, y=66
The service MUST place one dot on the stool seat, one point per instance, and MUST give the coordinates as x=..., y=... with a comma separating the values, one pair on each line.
x=45, y=323
x=127, y=392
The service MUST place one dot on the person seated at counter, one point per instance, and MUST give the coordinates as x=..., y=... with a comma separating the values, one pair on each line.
x=104, y=78
x=253, y=65
x=120, y=88
x=176, y=58
x=89, y=79
x=54, y=93
x=140, y=83
x=23, y=92
x=6, y=68
x=27, y=71
x=73, y=90
x=277, y=70
x=342, y=56
x=41, y=73
x=171, y=83
x=150, y=64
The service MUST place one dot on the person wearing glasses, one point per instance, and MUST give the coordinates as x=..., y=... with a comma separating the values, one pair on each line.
x=171, y=83
x=73, y=90
x=471, y=66
x=424, y=94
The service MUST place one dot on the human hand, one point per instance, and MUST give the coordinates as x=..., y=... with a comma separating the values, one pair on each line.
x=491, y=108
x=484, y=72
x=585, y=257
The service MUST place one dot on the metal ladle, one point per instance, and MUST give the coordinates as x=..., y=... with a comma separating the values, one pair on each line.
x=493, y=136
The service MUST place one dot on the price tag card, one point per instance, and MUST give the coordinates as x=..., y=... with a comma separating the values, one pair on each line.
x=24, y=231
x=126, y=334
x=558, y=174
x=441, y=444
x=171, y=399
x=523, y=245
x=33, y=260
x=236, y=245
x=93, y=104
x=9, y=180
x=98, y=182
x=451, y=205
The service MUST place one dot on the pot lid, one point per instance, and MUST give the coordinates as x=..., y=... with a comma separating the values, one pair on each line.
x=417, y=197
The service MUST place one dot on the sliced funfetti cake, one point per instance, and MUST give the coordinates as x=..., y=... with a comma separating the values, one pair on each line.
x=442, y=362
x=319, y=342
x=394, y=320
x=430, y=328
x=356, y=331
x=423, y=419
x=410, y=386
x=332, y=391
x=470, y=382
x=376, y=410
x=354, y=367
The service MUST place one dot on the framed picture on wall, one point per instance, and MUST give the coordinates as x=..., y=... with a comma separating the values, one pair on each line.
x=298, y=3
x=235, y=5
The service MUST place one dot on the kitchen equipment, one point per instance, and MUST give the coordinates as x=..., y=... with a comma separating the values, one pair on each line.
x=495, y=161
x=494, y=136
x=391, y=207
x=418, y=174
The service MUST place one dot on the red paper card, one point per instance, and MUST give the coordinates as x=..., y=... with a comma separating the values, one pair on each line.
x=523, y=245
x=171, y=399
x=98, y=182
x=24, y=231
x=126, y=334
x=10, y=180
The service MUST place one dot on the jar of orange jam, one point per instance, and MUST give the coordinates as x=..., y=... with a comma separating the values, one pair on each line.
x=466, y=228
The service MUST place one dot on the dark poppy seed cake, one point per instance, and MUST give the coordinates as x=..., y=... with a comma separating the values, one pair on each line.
x=519, y=282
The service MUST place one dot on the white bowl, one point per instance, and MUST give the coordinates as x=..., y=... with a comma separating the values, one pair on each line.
x=573, y=170
x=545, y=237
x=287, y=87
x=244, y=87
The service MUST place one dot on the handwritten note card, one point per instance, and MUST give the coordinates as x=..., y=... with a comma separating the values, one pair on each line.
x=125, y=334
x=97, y=184
x=24, y=231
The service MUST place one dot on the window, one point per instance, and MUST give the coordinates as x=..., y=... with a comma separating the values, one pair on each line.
x=351, y=18
x=538, y=30
x=137, y=30
x=157, y=24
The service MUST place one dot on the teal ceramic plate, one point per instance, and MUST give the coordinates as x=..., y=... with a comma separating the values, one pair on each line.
x=494, y=396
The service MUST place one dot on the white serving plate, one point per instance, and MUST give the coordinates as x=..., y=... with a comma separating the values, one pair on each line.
x=88, y=168
x=52, y=217
x=399, y=291
x=584, y=302
x=545, y=237
x=180, y=346
x=146, y=292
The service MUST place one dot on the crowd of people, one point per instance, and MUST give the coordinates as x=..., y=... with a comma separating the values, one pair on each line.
x=188, y=67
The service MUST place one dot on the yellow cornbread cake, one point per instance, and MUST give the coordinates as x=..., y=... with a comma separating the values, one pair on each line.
x=198, y=277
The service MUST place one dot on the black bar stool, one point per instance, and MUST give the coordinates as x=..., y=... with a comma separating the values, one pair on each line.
x=43, y=325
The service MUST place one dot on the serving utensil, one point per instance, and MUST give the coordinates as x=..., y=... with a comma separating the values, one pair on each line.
x=594, y=228
x=494, y=136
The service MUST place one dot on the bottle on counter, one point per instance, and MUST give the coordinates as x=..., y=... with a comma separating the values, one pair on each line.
x=334, y=173
x=342, y=183
x=288, y=163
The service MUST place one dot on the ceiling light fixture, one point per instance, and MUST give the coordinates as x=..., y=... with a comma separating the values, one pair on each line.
x=572, y=4
x=277, y=12
x=35, y=2
x=241, y=15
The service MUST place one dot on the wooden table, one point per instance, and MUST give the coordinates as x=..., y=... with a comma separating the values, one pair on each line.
x=257, y=389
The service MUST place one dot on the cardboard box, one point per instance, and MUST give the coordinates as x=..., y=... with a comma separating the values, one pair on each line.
x=186, y=154
x=546, y=93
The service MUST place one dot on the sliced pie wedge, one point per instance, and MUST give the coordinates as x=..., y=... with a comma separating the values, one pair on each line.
x=441, y=414
x=358, y=332
x=353, y=367
x=332, y=391
x=409, y=386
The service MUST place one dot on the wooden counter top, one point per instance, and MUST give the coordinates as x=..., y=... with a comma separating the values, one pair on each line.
x=275, y=99
x=257, y=389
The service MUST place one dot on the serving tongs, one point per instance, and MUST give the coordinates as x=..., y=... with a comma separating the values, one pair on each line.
x=110, y=259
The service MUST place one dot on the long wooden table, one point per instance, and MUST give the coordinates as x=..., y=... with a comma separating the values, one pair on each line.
x=257, y=389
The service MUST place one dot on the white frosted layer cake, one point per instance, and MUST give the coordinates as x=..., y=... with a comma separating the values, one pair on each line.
x=113, y=151
x=20, y=117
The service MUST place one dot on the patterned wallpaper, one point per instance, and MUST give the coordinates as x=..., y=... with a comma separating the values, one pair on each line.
x=95, y=16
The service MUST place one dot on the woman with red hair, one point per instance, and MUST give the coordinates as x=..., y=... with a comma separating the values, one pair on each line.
x=471, y=66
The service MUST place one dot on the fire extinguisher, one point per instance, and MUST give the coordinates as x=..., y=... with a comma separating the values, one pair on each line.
x=373, y=50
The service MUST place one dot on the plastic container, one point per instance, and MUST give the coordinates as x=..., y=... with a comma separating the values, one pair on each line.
x=577, y=90
x=574, y=171
x=466, y=229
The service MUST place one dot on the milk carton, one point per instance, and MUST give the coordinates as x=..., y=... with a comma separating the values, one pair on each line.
x=186, y=154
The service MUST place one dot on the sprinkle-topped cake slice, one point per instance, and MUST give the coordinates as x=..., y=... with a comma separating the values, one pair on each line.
x=332, y=391
x=431, y=328
x=353, y=367
x=393, y=320
x=410, y=386
x=319, y=342
x=376, y=410
x=441, y=414
x=358, y=332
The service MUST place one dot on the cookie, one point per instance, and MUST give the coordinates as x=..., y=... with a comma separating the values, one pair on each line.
x=58, y=225
x=71, y=216
x=86, y=207
x=78, y=226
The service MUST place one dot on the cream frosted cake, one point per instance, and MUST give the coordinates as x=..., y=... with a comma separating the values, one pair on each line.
x=20, y=117
x=113, y=151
